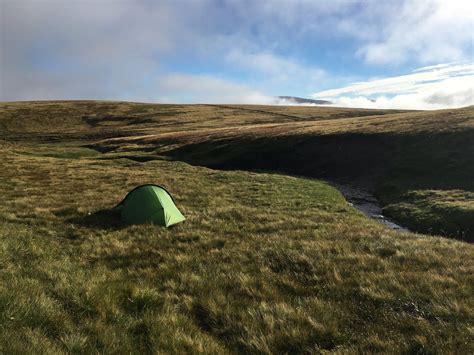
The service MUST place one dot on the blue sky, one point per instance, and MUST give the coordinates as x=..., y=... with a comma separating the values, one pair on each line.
x=393, y=54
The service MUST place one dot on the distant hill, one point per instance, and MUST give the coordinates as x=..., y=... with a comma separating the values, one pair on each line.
x=301, y=100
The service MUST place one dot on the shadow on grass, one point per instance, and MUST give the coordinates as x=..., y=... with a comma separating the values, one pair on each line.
x=136, y=260
x=400, y=169
x=102, y=219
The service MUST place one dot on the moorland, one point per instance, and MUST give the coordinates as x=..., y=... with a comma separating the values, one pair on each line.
x=271, y=259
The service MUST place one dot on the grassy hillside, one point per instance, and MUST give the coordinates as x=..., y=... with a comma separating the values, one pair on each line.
x=422, y=173
x=265, y=262
x=419, y=164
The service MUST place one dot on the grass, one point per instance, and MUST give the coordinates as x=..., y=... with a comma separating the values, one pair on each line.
x=400, y=158
x=265, y=263
x=67, y=152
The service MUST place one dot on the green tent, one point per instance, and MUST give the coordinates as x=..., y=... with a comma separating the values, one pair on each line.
x=150, y=204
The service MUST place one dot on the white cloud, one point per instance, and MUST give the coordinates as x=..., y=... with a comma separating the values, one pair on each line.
x=185, y=88
x=422, y=30
x=436, y=66
x=70, y=49
x=404, y=83
x=278, y=67
x=73, y=50
x=207, y=89
x=433, y=87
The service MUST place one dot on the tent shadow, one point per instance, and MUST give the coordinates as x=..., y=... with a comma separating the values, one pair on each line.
x=102, y=219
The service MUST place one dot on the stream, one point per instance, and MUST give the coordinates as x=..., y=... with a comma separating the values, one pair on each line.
x=365, y=202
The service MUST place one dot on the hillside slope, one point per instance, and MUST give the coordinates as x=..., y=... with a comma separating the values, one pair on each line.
x=265, y=262
x=419, y=164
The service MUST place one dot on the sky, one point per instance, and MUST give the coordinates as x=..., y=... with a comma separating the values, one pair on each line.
x=410, y=54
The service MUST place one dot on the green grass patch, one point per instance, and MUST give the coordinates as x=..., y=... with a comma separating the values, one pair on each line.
x=447, y=211
x=64, y=153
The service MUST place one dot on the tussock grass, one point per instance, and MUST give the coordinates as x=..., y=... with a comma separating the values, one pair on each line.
x=265, y=263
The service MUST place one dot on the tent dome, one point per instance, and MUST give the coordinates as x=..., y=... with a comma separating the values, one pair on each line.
x=150, y=204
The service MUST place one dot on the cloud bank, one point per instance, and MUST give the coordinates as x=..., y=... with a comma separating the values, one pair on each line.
x=209, y=89
x=433, y=87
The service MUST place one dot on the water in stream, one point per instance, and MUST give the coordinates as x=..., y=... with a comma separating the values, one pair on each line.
x=368, y=204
